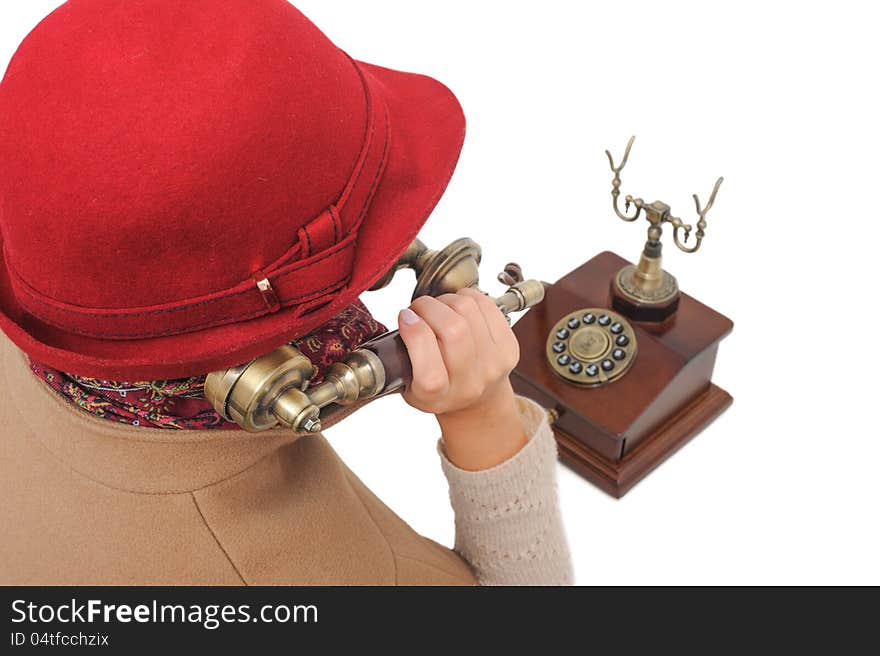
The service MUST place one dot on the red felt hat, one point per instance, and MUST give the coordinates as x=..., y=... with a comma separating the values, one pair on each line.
x=188, y=185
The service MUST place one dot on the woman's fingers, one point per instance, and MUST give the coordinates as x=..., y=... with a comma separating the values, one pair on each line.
x=452, y=331
x=456, y=341
x=505, y=342
x=467, y=306
x=460, y=346
x=496, y=322
x=429, y=371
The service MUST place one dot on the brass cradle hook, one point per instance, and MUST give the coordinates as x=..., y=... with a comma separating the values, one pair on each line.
x=657, y=212
x=646, y=290
x=701, y=224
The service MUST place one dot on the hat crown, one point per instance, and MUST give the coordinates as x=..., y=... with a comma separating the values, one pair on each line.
x=147, y=139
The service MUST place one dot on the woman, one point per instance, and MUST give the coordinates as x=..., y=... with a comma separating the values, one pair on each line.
x=194, y=185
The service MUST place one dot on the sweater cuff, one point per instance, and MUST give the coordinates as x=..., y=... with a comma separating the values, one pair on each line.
x=536, y=460
x=507, y=521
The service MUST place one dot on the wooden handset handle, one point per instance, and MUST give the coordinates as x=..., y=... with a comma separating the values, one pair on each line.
x=395, y=360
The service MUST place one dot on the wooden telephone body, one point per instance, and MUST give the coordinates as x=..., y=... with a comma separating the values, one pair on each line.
x=615, y=433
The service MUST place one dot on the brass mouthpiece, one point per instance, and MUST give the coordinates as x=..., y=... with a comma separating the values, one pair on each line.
x=438, y=272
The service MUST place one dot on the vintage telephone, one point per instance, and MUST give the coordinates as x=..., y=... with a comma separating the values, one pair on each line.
x=621, y=358
x=618, y=355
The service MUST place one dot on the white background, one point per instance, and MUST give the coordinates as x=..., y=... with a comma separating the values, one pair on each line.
x=781, y=99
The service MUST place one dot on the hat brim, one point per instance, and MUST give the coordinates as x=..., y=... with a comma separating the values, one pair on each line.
x=427, y=132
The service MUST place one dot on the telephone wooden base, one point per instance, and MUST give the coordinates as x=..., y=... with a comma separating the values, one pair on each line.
x=616, y=478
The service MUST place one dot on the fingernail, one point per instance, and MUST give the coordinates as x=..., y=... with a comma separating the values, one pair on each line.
x=408, y=317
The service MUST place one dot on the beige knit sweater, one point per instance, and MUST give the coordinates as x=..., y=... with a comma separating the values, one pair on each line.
x=507, y=521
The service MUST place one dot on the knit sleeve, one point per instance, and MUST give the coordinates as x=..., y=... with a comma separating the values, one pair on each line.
x=507, y=520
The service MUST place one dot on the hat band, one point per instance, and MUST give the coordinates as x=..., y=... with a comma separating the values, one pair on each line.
x=304, y=278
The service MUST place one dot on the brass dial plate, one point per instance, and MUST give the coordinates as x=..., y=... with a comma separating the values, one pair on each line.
x=591, y=347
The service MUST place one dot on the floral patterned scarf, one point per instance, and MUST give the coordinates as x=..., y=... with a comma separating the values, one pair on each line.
x=180, y=403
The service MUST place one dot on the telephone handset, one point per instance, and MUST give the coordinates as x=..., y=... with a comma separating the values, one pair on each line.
x=274, y=388
x=621, y=359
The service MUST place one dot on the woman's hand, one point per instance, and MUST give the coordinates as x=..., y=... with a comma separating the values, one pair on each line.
x=462, y=351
